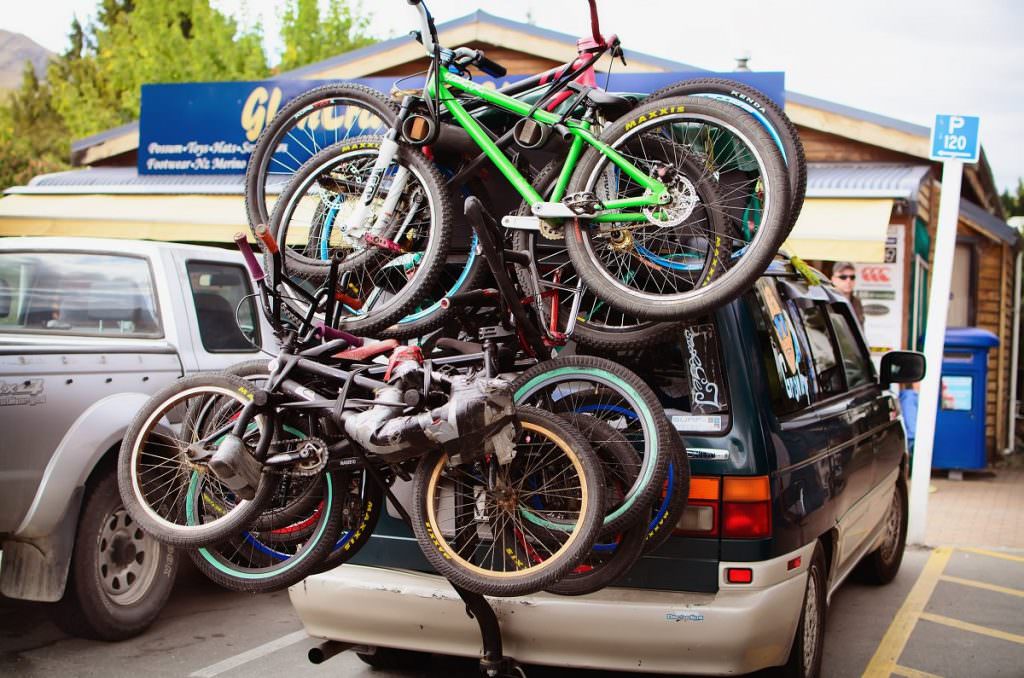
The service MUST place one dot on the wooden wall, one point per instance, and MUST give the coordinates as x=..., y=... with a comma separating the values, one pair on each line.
x=823, y=147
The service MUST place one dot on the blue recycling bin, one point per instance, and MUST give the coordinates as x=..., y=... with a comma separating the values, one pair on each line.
x=960, y=423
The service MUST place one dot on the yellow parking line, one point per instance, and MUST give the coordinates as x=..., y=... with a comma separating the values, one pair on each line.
x=883, y=663
x=912, y=673
x=992, y=554
x=973, y=628
x=982, y=585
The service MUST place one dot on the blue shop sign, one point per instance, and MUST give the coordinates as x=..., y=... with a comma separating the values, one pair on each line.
x=212, y=127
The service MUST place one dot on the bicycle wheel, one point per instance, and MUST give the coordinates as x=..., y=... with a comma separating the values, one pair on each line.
x=364, y=503
x=313, y=120
x=771, y=116
x=258, y=561
x=155, y=473
x=728, y=215
x=361, y=508
x=606, y=390
x=393, y=257
x=613, y=554
x=598, y=325
x=514, y=529
x=668, y=509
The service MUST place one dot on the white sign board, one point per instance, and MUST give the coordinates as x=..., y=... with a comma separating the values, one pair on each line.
x=880, y=289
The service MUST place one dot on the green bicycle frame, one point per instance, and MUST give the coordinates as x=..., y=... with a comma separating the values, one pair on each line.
x=658, y=193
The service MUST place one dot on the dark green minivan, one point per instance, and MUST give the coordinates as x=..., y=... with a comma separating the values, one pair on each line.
x=798, y=458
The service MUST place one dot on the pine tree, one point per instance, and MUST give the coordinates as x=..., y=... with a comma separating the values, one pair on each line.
x=1013, y=203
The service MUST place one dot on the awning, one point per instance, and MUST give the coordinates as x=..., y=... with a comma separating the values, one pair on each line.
x=184, y=218
x=835, y=229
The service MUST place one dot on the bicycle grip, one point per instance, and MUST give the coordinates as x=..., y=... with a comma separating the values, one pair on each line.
x=330, y=334
x=263, y=233
x=250, y=259
x=484, y=297
x=491, y=68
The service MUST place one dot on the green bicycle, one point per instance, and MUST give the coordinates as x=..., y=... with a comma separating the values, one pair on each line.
x=673, y=209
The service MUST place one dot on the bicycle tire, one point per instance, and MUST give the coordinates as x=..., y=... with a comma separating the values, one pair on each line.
x=436, y=533
x=270, y=560
x=550, y=385
x=614, y=554
x=359, y=520
x=720, y=285
x=427, y=268
x=668, y=511
x=286, y=119
x=740, y=94
x=147, y=423
x=358, y=523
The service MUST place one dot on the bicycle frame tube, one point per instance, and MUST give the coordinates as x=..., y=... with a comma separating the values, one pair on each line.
x=658, y=191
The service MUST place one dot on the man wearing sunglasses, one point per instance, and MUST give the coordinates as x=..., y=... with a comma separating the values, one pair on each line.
x=844, y=277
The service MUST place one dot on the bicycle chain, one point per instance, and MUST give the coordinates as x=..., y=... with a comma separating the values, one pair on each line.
x=306, y=467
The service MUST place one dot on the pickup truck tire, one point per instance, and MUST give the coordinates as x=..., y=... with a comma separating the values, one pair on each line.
x=120, y=577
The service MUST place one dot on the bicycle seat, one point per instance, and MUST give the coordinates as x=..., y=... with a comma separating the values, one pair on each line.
x=611, y=105
x=368, y=351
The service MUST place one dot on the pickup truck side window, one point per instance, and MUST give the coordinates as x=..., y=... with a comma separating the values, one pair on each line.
x=785, y=358
x=828, y=371
x=217, y=291
x=856, y=365
x=74, y=293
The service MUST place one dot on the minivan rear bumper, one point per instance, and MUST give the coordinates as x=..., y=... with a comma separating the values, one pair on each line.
x=737, y=630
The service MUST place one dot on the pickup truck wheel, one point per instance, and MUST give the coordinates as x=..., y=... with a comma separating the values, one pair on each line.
x=120, y=577
x=808, y=645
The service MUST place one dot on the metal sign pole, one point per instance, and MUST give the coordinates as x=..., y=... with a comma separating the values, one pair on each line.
x=935, y=333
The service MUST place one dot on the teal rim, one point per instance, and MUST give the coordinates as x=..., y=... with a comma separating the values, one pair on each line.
x=643, y=413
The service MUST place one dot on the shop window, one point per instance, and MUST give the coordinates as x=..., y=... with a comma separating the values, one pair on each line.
x=225, y=310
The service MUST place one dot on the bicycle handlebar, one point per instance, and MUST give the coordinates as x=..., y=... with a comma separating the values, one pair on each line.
x=428, y=32
x=328, y=332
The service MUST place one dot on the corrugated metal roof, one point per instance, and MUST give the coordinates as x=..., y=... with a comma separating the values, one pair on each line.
x=127, y=180
x=993, y=224
x=865, y=180
x=105, y=135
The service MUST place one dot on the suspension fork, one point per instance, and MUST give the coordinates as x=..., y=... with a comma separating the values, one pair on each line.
x=387, y=154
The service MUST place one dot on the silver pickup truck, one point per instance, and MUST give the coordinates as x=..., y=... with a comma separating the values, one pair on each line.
x=89, y=328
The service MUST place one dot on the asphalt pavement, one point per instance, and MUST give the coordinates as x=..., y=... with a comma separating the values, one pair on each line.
x=950, y=612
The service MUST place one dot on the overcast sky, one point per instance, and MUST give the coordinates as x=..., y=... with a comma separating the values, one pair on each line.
x=908, y=59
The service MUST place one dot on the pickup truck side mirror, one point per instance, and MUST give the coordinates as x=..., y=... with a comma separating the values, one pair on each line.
x=901, y=367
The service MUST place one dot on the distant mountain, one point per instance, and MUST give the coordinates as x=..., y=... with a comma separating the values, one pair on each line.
x=15, y=50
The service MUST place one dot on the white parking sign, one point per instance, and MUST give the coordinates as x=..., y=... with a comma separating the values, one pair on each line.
x=955, y=137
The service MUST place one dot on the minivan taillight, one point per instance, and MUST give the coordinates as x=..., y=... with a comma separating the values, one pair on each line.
x=746, y=508
x=700, y=517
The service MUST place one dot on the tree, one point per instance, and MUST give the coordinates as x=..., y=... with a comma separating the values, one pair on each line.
x=33, y=137
x=96, y=85
x=1013, y=204
x=308, y=37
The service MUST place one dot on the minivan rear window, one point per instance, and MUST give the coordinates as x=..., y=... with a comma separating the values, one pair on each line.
x=688, y=378
x=77, y=293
